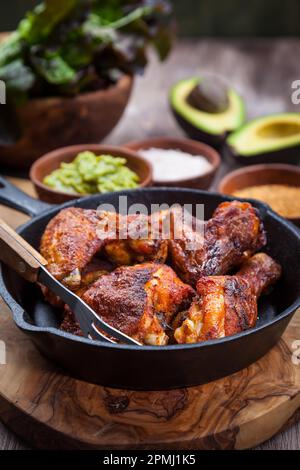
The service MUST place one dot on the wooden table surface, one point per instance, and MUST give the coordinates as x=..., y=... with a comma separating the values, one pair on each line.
x=261, y=70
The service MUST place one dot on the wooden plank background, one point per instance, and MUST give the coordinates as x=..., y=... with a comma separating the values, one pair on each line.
x=206, y=17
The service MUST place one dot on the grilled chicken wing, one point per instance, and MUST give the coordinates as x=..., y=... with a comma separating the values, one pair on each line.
x=140, y=300
x=228, y=304
x=234, y=233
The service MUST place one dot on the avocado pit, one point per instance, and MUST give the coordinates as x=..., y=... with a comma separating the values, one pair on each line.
x=209, y=95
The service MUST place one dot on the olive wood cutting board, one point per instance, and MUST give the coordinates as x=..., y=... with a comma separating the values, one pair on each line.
x=51, y=410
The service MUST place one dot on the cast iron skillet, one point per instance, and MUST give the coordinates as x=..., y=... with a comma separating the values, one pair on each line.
x=152, y=368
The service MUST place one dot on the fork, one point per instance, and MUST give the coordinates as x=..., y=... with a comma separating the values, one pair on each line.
x=26, y=261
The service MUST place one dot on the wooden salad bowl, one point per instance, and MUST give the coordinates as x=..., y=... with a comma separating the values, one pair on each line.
x=49, y=123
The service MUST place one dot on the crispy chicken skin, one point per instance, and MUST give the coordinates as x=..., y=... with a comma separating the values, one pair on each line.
x=136, y=241
x=69, y=243
x=140, y=300
x=228, y=304
x=69, y=323
x=234, y=233
x=261, y=272
x=89, y=274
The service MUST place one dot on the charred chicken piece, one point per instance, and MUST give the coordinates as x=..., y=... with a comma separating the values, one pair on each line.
x=134, y=239
x=69, y=323
x=261, y=272
x=74, y=236
x=92, y=272
x=89, y=274
x=139, y=300
x=69, y=243
x=233, y=234
x=228, y=304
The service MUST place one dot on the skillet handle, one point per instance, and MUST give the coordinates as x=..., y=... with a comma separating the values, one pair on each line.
x=18, y=254
x=11, y=196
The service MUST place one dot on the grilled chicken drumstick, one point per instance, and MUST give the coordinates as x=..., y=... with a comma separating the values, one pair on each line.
x=228, y=304
x=234, y=233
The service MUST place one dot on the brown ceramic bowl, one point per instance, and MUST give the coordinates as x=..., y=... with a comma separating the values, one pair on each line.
x=186, y=145
x=51, y=161
x=257, y=175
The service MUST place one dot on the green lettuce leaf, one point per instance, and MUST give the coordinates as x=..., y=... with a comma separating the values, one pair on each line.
x=39, y=23
x=10, y=48
x=52, y=67
x=17, y=76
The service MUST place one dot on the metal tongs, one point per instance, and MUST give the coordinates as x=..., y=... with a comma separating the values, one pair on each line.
x=26, y=261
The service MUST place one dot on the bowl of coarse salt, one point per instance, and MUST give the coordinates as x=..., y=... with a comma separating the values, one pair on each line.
x=179, y=162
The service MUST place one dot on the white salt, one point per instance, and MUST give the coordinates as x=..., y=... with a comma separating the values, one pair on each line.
x=174, y=165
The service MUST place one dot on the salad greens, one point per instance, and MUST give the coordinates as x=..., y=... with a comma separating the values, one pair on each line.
x=90, y=174
x=65, y=47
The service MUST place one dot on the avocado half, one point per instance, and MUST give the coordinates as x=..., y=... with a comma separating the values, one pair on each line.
x=269, y=139
x=211, y=128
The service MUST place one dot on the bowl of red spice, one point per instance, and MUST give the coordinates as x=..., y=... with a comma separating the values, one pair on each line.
x=278, y=185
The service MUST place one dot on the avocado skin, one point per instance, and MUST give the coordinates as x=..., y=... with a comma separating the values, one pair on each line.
x=284, y=155
x=214, y=140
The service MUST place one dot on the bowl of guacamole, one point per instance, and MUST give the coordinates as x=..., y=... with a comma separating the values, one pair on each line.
x=78, y=171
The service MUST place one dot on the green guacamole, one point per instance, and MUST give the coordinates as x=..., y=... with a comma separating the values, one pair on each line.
x=89, y=174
